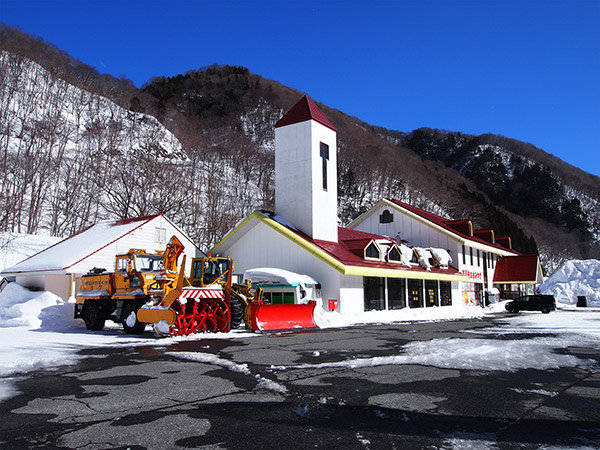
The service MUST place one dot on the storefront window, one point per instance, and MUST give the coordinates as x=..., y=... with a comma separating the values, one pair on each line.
x=445, y=293
x=431, y=293
x=374, y=293
x=396, y=293
x=415, y=293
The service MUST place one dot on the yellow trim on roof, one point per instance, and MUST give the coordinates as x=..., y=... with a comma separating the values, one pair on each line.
x=333, y=262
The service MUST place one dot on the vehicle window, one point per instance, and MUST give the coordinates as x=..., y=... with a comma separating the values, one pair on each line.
x=211, y=271
x=524, y=299
x=122, y=264
x=148, y=263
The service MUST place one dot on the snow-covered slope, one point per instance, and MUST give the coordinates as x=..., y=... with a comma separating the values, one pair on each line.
x=575, y=278
x=15, y=247
x=33, y=101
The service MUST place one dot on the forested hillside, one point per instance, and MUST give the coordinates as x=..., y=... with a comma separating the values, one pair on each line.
x=220, y=166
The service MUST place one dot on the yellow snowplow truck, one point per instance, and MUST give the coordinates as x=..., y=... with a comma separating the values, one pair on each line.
x=138, y=278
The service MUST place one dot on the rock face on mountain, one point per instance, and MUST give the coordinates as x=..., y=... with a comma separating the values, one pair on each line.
x=199, y=147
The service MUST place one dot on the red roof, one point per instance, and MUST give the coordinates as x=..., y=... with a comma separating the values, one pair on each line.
x=485, y=234
x=345, y=251
x=458, y=227
x=517, y=269
x=302, y=111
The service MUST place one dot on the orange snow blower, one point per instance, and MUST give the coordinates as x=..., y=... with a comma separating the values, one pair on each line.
x=271, y=318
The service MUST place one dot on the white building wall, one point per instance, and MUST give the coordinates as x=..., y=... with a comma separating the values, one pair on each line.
x=60, y=285
x=261, y=246
x=35, y=282
x=351, y=292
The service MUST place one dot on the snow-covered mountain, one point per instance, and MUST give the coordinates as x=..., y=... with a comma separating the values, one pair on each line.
x=68, y=152
x=94, y=159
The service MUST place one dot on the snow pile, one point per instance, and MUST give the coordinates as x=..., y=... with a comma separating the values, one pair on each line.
x=407, y=254
x=277, y=277
x=440, y=256
x=20, y=307
x=333, y=319
x=575, y=278
x=424, y=257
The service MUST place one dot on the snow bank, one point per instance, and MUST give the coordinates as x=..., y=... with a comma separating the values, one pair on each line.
x=333, y=319
x=279, y=277
x=20, y=307
x=575, y=278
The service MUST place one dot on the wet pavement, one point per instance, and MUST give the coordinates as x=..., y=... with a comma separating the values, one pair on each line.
x=249, y=392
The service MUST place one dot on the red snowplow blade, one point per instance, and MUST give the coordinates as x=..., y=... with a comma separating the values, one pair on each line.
x=282, y=317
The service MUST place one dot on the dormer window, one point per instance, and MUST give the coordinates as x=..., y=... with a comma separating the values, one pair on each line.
x=394, y=255
x=386, y=217
x=372, y=252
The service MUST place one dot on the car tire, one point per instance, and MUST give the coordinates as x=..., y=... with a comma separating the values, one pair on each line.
x=545, y=310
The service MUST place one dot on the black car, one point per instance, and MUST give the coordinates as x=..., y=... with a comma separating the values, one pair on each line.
x=543, y=303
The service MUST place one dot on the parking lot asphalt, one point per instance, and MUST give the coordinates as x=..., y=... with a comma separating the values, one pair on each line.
x=333, y=388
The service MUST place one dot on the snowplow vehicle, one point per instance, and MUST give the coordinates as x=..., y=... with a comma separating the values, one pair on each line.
x=148, y=288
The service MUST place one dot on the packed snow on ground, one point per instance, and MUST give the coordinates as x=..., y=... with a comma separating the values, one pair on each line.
x=575, y=278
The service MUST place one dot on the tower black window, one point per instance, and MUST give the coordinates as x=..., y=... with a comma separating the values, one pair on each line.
x=325, y=156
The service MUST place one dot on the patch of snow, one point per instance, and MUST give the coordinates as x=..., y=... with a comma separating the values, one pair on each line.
x=333, y=319
x=279, y=277
x=575, y=278
x=477, y=354
x=210, y=358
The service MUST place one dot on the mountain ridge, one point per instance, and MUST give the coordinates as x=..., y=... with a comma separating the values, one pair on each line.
x=224, y=115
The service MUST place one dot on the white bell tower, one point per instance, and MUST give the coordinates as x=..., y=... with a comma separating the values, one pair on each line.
x=306, y=171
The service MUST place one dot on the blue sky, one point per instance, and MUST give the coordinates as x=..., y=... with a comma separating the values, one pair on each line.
x=528, y=70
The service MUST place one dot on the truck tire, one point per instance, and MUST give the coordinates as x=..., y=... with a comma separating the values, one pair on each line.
x=237, y=311
x=92, y=316
x=130, y=326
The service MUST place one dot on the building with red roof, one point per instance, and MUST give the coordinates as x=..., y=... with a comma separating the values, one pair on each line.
x=478, y=253
x=394, y=256
x=59, y=268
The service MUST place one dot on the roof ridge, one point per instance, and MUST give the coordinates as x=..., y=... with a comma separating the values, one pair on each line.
x=304, y=109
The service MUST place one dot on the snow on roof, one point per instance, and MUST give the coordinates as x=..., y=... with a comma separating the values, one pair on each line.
x=461, y=228
x=15, y=247
x=305, y=109
x=278, y=277
x=73, y=249
x=341, y=256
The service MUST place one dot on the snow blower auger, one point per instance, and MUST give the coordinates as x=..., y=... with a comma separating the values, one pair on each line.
x=190, y=309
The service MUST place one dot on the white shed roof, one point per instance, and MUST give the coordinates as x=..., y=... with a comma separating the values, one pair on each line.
x=70, y=251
